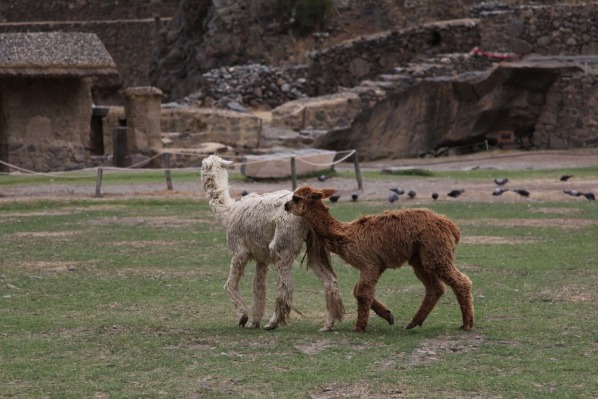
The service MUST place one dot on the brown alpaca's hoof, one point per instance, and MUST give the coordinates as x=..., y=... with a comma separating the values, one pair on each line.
x=359, y=330
x=243, y=320
x=411, y=325
x=465, y=328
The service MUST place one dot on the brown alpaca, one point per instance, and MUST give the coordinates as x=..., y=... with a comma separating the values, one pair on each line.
x=372, y=244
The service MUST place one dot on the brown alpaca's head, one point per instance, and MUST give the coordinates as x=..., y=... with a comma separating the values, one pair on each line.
x=307, y=197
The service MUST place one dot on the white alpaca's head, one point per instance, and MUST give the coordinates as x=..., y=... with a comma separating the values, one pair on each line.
x=213, y=173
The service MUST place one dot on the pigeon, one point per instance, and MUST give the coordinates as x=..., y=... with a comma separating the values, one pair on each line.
x=523, y=193
x=244, y=193
x=455, y=193
x=411, y=194
x=590, y=196
x=334, y=198
x=393, y=198
x=573, y=193
x=500, y=182
x=566, y=177
x=322, y=177
x=434, y=196
x=398, y=190
x=499, y=191
x=354, y=196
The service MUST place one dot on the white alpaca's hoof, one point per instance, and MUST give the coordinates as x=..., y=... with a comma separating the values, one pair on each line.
x=254, y=325
x=270, y=326
x=325, y=329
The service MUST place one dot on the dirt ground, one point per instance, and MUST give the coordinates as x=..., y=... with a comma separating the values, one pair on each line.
x=548, y=189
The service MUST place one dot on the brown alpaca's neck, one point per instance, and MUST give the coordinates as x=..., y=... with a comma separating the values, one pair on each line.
x=331, y=231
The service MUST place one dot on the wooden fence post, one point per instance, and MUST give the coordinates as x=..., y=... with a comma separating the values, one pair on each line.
x=166, y=158
x=357, y=171
x=99, y=182
x=293, y=174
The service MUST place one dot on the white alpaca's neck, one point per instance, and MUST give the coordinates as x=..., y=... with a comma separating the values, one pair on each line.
x=216, y=187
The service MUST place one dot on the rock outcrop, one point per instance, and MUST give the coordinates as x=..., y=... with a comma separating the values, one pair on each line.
x=520, y=97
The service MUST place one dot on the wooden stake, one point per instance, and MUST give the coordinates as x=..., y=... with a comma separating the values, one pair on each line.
x=166, y=158
x=357, y=172
x=99, y=182
x=293, y=174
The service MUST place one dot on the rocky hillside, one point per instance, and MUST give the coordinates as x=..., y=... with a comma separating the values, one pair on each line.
x=206, y=34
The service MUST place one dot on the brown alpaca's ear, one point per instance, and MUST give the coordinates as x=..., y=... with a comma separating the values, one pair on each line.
x=316, y=195
x=327, y=192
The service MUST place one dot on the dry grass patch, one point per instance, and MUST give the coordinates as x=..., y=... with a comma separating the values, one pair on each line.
x=559, y=223
x=494, y=240
x=152, y=221
x=560, y=211
x=43, y=234
x=44, y=265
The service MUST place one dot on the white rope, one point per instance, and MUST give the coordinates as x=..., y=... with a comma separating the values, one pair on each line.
x=329, y=164
x=132, y=168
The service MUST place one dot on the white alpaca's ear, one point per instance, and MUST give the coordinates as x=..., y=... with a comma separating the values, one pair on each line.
x=226, y=164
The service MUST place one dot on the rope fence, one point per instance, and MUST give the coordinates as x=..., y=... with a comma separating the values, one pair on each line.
x=99, y=171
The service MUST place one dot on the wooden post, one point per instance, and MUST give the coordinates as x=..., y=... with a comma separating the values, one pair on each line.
x=166, y=158
x=293, y=174
x=357, y=172
x=99, y=182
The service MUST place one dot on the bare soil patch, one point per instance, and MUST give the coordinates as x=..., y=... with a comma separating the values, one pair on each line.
x=494, y=240
x=559, y=223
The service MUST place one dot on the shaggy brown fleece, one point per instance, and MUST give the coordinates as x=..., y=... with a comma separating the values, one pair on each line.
x=372, y=244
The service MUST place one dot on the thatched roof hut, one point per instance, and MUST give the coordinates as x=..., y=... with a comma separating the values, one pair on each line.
x=45, y=97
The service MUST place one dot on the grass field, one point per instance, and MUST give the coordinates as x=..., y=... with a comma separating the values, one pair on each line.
x=124, y=299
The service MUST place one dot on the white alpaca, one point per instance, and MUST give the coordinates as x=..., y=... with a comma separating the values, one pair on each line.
x=258, y=228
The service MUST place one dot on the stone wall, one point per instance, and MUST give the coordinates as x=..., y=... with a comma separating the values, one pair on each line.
x=562, y=29
x=84, y=10
x=365, y=58
x=191, y=128
x=568, y=117
x=51, y=133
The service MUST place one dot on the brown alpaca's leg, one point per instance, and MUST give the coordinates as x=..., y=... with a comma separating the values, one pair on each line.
x=237, y=267
x=284, y=295
x=260, y=287
x=381, y=310
x=461, y=286
x=434, y=290
x=364, y=293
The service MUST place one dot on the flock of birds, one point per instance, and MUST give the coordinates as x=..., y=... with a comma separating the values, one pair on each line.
x=397, y=191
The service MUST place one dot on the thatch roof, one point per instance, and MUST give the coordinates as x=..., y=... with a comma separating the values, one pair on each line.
x=54, y=54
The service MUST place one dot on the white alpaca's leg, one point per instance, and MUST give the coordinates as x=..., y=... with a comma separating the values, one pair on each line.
x=284, y=294
x=237, y=268
x=260, y=287
x=334, y=304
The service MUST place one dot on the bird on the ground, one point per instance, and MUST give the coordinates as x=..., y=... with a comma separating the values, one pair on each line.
x=500, y=182
x=499, y=191
x=354, y=196
x=434, y=196
x=244, y=193
x=411, y=194
x=393, y=198
x=322, y=177
x=523, y=193
x=398, y=190
x=455, y=193
x=573, y=193
x=566, y=177
x=590, y=196
x=334, y=198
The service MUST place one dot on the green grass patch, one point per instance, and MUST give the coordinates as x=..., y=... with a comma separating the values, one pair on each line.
x=124, y=299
